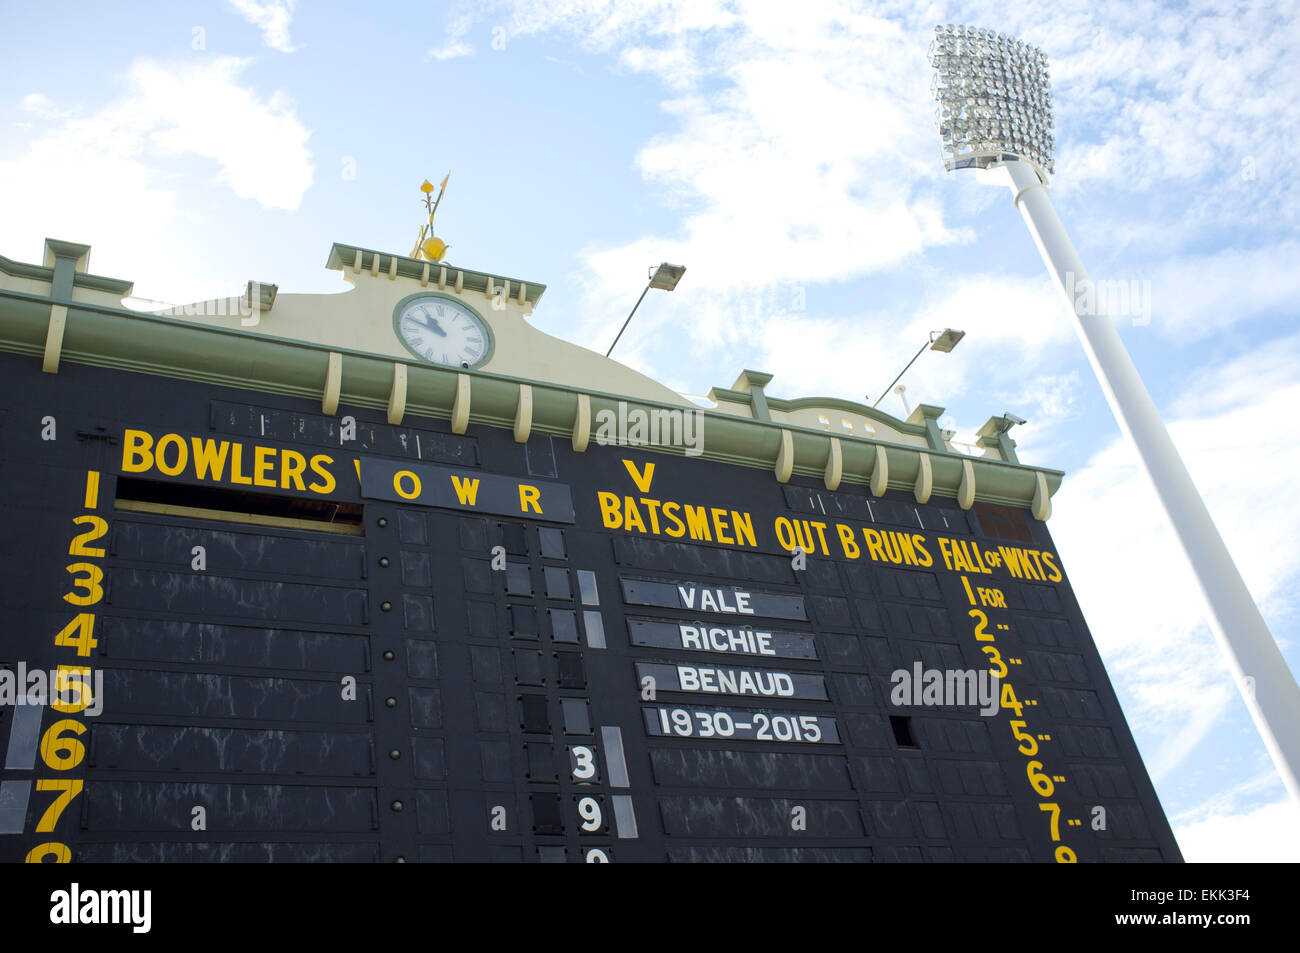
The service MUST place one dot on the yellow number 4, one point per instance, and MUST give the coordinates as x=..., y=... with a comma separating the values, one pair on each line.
x=79, y=634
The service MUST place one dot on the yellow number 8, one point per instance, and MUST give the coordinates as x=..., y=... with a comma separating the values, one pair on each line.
x=60, y=852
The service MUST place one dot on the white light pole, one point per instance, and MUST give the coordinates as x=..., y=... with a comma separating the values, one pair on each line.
x=995, y=114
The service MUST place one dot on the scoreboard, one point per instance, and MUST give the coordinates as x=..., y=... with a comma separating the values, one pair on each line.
x=238, y=629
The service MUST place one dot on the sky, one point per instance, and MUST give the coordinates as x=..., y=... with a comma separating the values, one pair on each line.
x=787, y=155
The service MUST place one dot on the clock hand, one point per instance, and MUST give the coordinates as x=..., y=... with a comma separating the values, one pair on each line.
x=432, y=324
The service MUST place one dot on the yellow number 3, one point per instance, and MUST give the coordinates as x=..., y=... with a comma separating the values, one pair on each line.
x=90, y=582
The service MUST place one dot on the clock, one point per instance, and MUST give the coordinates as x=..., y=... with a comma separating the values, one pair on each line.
x=442, y=330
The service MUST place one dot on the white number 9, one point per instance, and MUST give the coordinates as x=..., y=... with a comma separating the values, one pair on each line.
x=584, y=760
x=589, y=811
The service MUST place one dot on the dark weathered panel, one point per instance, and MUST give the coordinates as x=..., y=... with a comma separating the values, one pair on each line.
x=770, y=855
x=208, y=695
x=256, y=751
x=234, y=551
x=169, y=806
x=704, y=816
x=759, y=770
x=210, y=595
x=202, y=643
x=165, y=852
x=700, y=560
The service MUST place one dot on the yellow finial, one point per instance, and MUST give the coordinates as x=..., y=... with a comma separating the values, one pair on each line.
x=431, y=247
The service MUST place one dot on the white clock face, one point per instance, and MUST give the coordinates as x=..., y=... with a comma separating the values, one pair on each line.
x=443, y=331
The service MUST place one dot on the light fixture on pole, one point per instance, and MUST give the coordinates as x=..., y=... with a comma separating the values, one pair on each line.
x=944, y=340
x=994, y=112
x=664, y=277
x=1009, y=420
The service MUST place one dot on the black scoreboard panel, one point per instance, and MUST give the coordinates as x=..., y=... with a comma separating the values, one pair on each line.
x=291, y=637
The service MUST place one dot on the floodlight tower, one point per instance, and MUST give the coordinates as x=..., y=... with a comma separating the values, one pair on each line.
x=994, y=113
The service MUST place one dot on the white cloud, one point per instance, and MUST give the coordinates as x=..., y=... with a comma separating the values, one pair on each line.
x=802, y=148
x=1268, y=834
x=451, y=50
x=41, y=105
x=272, y=17
x=1196, y=296
x=112, y=178
x=794, y=150
x=455, y=46
x=1008, y=320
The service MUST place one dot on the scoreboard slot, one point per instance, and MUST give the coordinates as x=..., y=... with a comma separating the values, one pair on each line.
x=234, y=551
x=226, y=852
x=112, y=805
x=199, y=749
x=761, y=770
x=186, y=500
x=204, y=643
x=773, y=855
x=708, y=816
x=210, y=595
x=696, y=560
x=702, y=597
x=246, y=697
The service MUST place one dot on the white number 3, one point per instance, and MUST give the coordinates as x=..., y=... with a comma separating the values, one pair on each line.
x=584, y=760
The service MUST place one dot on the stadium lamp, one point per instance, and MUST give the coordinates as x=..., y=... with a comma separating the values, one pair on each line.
x=665, y=277
x=944, y=341
x=994, y=113
x=1009, y=420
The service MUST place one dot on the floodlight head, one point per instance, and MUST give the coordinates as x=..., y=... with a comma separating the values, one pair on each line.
x=945, y=340
x=1010, y=420
x=993, y=99
x=666, y=276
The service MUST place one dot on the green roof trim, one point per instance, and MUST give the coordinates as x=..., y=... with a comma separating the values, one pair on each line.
x=155, y=344
x=21, y=269
x=343, y=257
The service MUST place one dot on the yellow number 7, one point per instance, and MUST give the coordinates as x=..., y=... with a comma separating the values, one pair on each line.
x=1055, y=810
x=70, y=788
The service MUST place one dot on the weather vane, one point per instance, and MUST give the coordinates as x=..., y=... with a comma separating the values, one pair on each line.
x=431, y=247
